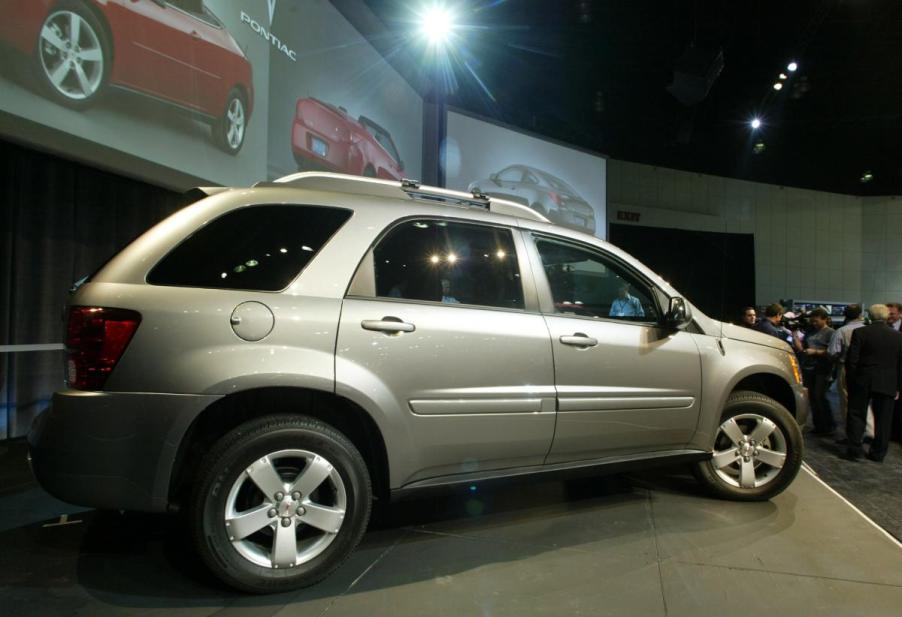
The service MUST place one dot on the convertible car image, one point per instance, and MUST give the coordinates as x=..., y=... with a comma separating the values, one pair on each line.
x=544, y=193
x=326, y=137
x=173, y=50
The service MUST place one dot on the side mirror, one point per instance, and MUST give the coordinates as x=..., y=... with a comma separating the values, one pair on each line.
x=494, y=178
x=678, y=314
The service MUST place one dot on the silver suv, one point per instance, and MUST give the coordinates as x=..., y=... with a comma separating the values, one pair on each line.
x=274, y=358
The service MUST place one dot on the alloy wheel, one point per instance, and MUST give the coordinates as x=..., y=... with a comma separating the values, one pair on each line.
x=749, y=451
x=235, y=120
x=285, y=509
x=71, y=55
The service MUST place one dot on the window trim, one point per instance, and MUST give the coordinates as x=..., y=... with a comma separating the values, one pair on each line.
x=364, y=279
x=546, y=298
x=210, y=221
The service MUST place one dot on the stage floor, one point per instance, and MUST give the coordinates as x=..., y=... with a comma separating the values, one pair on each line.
x=641, y=544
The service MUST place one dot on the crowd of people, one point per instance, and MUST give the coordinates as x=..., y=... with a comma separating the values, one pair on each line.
x=863, y=357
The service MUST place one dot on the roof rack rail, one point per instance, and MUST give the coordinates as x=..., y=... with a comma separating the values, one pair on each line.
x=416, y=190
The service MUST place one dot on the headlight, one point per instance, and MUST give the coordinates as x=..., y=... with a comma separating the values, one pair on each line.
x=794, y=362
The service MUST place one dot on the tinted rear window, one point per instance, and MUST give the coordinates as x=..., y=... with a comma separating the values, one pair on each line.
x=259, y=248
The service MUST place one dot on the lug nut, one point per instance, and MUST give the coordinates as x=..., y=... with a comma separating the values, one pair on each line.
x=296, y=495
x=286, y=522
x=279, y=496
x=301, y=511
x=272, y=513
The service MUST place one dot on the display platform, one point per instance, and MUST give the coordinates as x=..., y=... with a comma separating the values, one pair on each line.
x=645, y=544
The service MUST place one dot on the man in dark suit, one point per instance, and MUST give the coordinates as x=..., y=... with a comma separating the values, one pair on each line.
x=874, y=366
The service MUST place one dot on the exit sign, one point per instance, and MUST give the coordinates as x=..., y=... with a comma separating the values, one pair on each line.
x=623, y=215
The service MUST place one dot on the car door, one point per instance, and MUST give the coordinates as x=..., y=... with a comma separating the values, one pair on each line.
x=213, y=58
x=435, y=327
x=624, y=383
x=157, y=55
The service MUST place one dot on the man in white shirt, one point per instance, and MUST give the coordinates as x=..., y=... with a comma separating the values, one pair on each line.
x=839, y=347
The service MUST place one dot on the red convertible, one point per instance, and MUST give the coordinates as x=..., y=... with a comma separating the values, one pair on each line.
x=173, y=50
x=326, y=137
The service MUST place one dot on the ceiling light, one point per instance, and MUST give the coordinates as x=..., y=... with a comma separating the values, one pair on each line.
x=452, y=258
x=756, y=123
x=434, y=259
x=866, y=177
x=778, y=86
x=436, y=25
x=792, y=66
x=759, y=147
x=784, y=76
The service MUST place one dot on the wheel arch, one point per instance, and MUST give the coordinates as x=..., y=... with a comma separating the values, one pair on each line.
x=248, y=100
x=101, y=18
x=768, y=384
x=230, y=411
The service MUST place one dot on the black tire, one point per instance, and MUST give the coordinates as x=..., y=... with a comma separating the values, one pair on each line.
x=230, y=129
x=227, y=466
x=76, y=74
x=751, y=410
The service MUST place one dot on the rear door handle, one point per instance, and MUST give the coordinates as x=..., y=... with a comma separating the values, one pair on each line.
x=579, y=340
x=387, y=324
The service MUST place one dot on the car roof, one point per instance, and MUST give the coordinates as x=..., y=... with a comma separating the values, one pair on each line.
x=402, y=190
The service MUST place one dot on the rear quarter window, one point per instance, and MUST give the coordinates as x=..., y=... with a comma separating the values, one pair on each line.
x=260, y=248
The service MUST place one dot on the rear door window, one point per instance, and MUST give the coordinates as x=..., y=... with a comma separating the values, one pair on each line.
x=450, y=263
x=261, y=248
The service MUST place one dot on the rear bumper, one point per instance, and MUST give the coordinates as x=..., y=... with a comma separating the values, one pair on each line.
x=803, y=407
x=111, y=450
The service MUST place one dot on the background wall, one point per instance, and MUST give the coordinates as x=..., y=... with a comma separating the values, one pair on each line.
x=881, y=249
x=808, y=244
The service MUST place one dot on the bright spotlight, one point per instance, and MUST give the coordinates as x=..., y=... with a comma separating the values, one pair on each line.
x=784, y=76
x=436, y=24
x=778, y=86
x=792, y=66
x=756, y=123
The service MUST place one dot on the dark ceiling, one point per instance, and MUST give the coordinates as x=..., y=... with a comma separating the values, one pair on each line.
x=596, y=74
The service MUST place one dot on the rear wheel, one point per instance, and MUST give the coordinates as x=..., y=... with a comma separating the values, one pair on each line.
x=757, y=450
x=229, y=130
x=281, y=503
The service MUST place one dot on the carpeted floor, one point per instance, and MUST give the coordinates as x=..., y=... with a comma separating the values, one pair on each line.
x=874, y=488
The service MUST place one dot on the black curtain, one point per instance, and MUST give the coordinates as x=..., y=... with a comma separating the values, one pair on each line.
x=59, y=221
x=715, y=271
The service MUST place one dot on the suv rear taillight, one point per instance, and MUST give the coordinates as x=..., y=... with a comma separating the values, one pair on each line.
x=95, y=340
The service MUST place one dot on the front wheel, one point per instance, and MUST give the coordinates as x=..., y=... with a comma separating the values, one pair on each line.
x=757, y=450
x=72, y=55
x=281, y=503
x=229, y=130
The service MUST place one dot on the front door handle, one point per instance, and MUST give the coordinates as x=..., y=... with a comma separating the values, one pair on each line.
x=579, y=340
x=387, y=324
